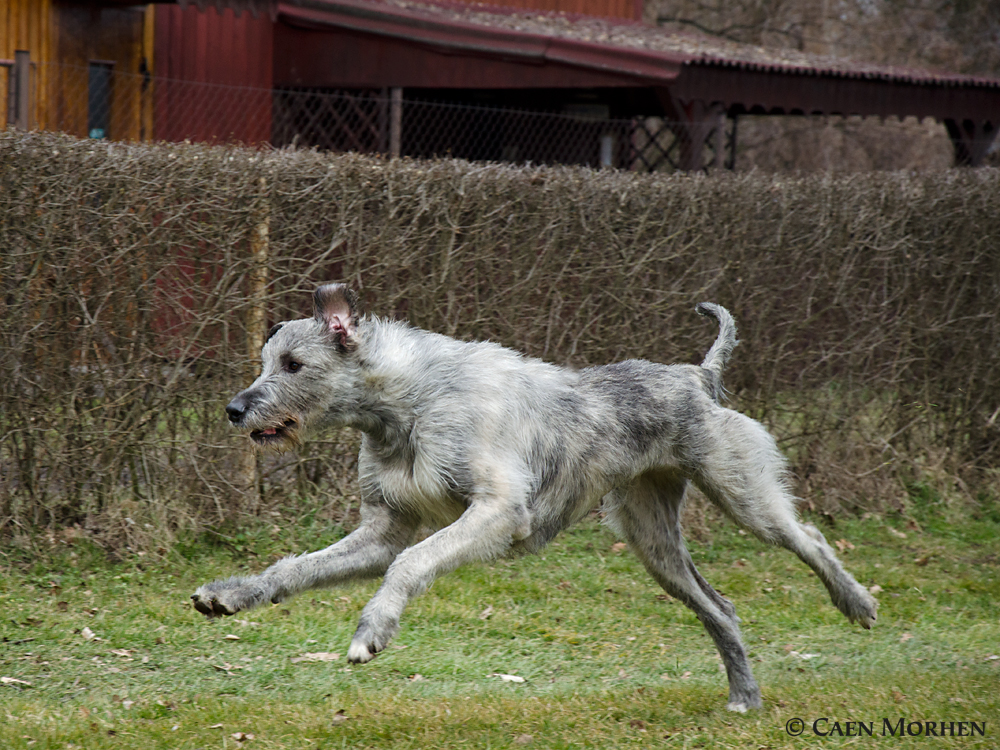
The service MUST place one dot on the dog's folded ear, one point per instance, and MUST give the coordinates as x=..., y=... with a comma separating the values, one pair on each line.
x=336, y=307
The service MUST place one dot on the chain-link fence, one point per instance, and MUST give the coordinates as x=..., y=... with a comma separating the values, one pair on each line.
x=97, y=101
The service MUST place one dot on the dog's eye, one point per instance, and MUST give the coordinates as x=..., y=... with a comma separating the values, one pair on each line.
x=293, y=366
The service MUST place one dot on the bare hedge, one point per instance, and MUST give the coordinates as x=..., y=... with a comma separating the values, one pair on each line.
x=134, y=277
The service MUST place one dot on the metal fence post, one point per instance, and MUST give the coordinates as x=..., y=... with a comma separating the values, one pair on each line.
x=395, y=121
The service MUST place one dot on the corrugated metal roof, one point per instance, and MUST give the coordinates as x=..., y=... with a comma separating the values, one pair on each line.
x=451, y=31
x=615, y=37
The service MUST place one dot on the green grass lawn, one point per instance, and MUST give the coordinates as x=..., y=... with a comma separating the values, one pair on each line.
x=115, y=657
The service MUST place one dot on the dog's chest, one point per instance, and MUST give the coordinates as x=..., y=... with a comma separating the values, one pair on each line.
x=420, y=488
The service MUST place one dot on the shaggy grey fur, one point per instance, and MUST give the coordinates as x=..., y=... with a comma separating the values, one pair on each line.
x=501, y=452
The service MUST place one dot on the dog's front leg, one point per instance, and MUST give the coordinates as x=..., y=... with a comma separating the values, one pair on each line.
x=484, y=532
x=365, y=553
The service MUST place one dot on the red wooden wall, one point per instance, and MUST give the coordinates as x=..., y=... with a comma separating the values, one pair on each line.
x=213, y=75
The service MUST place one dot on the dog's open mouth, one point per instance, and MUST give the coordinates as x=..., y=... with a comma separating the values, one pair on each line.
x=274, y=434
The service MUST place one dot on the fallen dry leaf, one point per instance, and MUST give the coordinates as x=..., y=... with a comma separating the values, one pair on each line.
x=13, y=681
x=507, y=677
x=486, y=612
x=843, y=545
x=618, y=546
x=523, y=739
x=905, y=637
x=922, y=560
x=417, y=678
x=230, y=637
x=88, y=634
x=876, y=589
x=241, y=736
x=316, y=656
x=340, y=717
x=897, y=534
x=685, y=675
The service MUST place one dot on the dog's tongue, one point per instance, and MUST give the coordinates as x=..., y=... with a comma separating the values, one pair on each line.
x=270, y=431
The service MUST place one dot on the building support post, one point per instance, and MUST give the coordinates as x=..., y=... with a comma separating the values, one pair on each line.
x=693, y=123
x=972, y=140
x=20, y=95
x=731, y=157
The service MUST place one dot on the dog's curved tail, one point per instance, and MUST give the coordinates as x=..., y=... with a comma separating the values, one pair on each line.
x=717, y=357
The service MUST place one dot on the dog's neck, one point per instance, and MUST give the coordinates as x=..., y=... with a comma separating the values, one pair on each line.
x=386, y=410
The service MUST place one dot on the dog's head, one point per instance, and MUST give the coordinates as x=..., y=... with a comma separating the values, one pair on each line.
x=308, y=374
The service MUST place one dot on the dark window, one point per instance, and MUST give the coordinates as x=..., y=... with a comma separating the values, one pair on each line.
x=99, y=100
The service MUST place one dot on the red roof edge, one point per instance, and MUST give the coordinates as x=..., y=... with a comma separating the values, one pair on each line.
x=658, y=68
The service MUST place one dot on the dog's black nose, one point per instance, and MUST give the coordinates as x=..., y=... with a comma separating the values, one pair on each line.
x=237, y=408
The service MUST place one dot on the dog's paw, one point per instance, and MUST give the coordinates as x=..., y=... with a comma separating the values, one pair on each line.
x=359, y=653
x=365, y=646
x=862, y=608
x=227, y=597
x=868, y=617
x=743, y=702
x=369, y=640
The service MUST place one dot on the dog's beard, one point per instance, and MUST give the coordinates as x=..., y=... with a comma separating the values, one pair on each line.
x=278, y=437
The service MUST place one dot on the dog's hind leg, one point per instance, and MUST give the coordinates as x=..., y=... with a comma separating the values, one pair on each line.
x=743, y=473
x=647, y=514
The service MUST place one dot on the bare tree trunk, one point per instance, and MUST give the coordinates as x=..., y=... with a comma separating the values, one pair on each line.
x=249, y=478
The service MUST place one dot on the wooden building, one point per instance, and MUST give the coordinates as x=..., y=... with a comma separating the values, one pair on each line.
x=73, y=51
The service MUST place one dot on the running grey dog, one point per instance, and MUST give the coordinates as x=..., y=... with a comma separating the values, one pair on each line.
x=501, y=452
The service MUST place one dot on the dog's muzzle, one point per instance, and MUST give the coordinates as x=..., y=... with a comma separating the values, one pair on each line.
x=275, y=433
x=237, y=409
